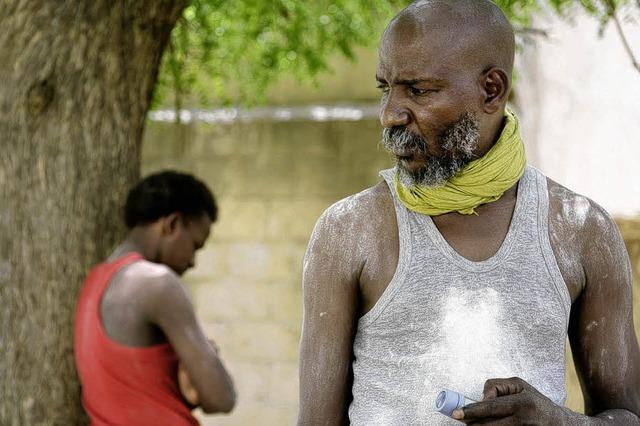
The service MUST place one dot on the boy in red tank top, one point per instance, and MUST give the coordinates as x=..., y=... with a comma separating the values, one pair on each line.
x=135, y=325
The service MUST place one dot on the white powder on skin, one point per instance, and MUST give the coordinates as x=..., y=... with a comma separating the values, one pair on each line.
x=591, y=325
x=576, y=209
x=340, y=224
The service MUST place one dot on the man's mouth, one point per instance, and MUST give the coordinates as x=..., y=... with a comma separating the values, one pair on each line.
x=410, y=160
x=406, y=159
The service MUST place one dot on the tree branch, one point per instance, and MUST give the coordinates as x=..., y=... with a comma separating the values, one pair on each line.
x=627, y=47
x=613, y=14
x=532, y=31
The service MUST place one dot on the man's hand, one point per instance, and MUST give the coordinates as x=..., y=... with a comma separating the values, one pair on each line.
x=511, y=402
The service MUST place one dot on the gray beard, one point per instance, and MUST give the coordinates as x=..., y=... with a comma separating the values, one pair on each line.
x=458, y=141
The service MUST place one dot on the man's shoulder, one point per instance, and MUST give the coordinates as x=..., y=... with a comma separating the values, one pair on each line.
x=576, y=211
x=359, y=208
x=344, y=226
x=579, y=225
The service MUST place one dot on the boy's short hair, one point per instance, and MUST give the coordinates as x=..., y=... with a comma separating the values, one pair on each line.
x=163, y=193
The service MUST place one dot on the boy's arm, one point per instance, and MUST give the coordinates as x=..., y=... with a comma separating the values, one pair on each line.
x=168, y=306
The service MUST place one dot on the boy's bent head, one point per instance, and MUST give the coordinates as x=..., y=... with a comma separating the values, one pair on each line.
x=172, y=213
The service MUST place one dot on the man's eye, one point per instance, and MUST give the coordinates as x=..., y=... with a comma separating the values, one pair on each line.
x=383, y=88
x=419, y=92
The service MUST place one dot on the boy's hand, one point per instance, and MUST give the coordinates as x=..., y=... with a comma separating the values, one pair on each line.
x=189, y=393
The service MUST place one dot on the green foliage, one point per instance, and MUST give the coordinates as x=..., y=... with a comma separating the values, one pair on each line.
x=520, y=12
x=230, y=51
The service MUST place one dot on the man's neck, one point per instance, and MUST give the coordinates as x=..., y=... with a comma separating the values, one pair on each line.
x=495, y=135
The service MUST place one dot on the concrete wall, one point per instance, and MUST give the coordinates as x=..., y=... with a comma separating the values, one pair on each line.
x=272, y=182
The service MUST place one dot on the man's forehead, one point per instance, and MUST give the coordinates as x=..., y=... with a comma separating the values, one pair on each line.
x=411, y=74
x=419, y=57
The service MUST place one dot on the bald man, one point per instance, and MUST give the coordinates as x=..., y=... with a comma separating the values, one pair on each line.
x=464, y=268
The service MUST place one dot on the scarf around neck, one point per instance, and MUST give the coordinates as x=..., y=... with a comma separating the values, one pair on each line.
x=482, y=181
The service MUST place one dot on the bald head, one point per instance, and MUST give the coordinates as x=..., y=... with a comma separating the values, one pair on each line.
x=473, y=33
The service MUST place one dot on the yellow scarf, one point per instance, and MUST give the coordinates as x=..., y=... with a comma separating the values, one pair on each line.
x=482, y=181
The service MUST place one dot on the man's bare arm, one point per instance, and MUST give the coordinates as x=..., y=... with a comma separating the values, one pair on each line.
x=169, y=307
x=330, y=286
x=601, y=332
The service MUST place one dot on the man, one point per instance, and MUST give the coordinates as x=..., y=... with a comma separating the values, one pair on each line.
x=135, y=321
x=464, y=269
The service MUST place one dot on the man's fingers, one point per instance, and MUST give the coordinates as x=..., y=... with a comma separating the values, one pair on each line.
x=494, y=388
x=498, y=408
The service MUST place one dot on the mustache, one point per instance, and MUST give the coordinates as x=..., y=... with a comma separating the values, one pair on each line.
x=402, y=138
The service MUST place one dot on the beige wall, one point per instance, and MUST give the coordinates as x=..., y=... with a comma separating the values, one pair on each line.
x=272, y=182
x=346, y=80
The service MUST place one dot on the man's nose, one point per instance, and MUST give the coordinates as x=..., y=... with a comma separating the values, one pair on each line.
x=393, y=112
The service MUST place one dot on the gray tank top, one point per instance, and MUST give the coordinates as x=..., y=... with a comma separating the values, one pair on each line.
x=445, y=322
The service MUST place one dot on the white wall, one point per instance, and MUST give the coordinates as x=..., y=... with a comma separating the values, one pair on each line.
x=579, y=99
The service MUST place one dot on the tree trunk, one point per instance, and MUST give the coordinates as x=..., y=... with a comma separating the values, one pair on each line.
x=76, y=78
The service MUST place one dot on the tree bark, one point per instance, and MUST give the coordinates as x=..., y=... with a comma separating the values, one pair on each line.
x=76, y=79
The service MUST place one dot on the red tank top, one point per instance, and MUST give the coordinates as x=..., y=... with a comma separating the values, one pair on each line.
x=122, y=385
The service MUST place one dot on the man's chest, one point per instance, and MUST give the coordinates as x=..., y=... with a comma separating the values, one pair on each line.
x=475, y=238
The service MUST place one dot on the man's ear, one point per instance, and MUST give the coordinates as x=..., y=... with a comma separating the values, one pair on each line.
x=170, y=223
x=495, y=87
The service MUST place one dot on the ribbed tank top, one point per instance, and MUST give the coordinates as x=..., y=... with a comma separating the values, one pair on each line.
x=123, y=385
x=445, y=322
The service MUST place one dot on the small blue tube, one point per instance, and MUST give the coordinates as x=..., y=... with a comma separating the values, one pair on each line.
x=447, y=401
